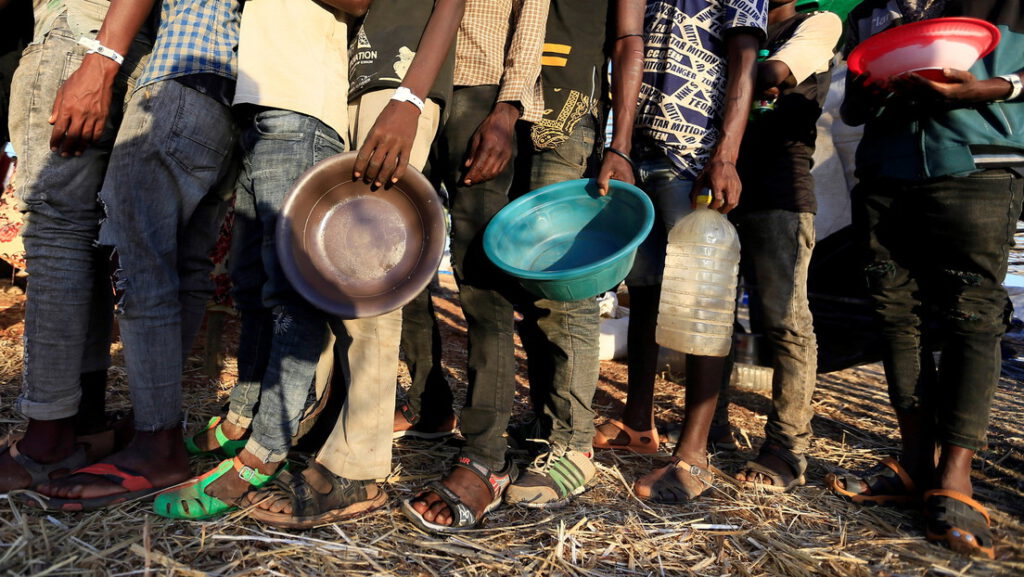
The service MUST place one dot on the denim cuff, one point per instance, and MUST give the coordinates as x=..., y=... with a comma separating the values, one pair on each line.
x=239, y=420
x=61, y=408
x=264, y=454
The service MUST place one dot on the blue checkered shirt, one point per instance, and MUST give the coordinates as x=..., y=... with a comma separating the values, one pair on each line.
x=195, y=37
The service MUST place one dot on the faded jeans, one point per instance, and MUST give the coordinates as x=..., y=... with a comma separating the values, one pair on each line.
x=776, y=247
x=68, y=311
x=561, y=338
x=163, y=199
x=938, y=249
x=278, y=146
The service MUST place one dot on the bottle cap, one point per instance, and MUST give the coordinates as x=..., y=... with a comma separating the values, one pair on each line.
x=704, y=197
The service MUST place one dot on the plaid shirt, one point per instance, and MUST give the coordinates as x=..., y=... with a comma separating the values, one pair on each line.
x=195, y=37
x=500, y=42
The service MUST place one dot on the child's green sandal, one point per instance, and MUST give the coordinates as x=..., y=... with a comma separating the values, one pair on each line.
x=229, y=447
x=190, y=501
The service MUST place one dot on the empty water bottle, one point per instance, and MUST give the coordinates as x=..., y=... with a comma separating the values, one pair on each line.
x=698, y=293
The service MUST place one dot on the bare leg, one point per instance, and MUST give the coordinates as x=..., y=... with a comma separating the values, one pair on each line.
x=642, y=356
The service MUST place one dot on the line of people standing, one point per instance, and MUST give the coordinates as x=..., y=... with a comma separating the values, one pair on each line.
x=125, y=178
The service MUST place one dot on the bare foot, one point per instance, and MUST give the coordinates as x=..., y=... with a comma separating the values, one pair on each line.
x=207, y=440
x=159, y=456
x=470, y=488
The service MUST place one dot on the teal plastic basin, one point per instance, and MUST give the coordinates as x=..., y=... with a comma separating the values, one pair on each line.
x=565, y=242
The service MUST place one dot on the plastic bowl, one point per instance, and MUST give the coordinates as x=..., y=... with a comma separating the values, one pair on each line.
x=565, y=242
x=356, y=252
x=924, y=47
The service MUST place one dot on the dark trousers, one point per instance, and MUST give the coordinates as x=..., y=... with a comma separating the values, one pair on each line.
x=482, y=286
x=429, y=397
x=938, y=250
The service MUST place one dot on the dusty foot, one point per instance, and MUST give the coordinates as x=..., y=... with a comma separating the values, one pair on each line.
x=207, y=440
x=678, y=482
x=278, y=501
x=772, y=462
x=160, y=457
x=470, y=488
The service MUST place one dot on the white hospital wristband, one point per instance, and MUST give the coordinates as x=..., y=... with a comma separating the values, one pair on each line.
x=95, y=47
x=403, y=94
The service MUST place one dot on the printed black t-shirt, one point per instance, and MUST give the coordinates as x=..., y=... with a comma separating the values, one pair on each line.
x=573, y=68
x=384, y=44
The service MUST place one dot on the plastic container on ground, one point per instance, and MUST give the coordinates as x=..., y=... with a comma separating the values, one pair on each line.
x=698, y=293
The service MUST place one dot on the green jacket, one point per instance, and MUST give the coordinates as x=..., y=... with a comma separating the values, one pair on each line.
x=910, y=147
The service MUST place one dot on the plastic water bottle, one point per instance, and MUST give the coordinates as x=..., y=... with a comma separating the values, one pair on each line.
x=698, y=293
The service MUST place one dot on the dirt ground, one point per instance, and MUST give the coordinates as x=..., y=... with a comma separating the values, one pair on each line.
x=603, y=532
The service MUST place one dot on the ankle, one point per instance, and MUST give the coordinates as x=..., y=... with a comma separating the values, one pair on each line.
x=693, y=457
x=47, y=441
x=232, y=431
x=264, y=467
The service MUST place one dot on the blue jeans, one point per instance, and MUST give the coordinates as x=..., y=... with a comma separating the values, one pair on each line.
x=561, y=339
x=163, y=199
x=277, y=147
x=938, y=250
x=68, y=311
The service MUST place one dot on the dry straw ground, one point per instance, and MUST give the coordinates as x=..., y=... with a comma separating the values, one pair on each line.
x=604, y=532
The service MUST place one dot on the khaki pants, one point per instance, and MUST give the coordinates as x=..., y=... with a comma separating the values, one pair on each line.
x=359, y=447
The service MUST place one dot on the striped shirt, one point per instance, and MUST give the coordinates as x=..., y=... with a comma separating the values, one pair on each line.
x=195, y=37
x=500, y=42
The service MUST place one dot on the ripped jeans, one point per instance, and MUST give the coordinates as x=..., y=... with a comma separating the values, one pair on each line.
x=171, y=167
x=938, y=251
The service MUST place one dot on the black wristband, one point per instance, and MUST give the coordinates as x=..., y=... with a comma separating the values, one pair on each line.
x=628, y=36
x=625, y=156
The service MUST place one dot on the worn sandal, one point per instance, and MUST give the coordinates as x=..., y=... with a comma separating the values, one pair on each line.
x=43, y=472
x=225, y=446
x=797, y=465
x=347, y=499
x=191, y=501
x=617, y=435
x=887, y=483
x=463, y=518
x=135, y=486
x=667, y=489
x=959, y=522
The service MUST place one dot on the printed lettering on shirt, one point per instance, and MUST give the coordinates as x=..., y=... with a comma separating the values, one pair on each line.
x=685, y=73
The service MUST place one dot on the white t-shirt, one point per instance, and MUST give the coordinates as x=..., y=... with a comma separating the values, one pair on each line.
x=293, y=55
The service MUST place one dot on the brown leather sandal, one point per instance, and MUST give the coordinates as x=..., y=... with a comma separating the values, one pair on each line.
x=663, y=486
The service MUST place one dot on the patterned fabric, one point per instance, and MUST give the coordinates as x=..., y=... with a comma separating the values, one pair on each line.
x=12, y=249
x=685, y=74
x=573, y=69
x=500, y=43
x=916, y=10
x=195, y=37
